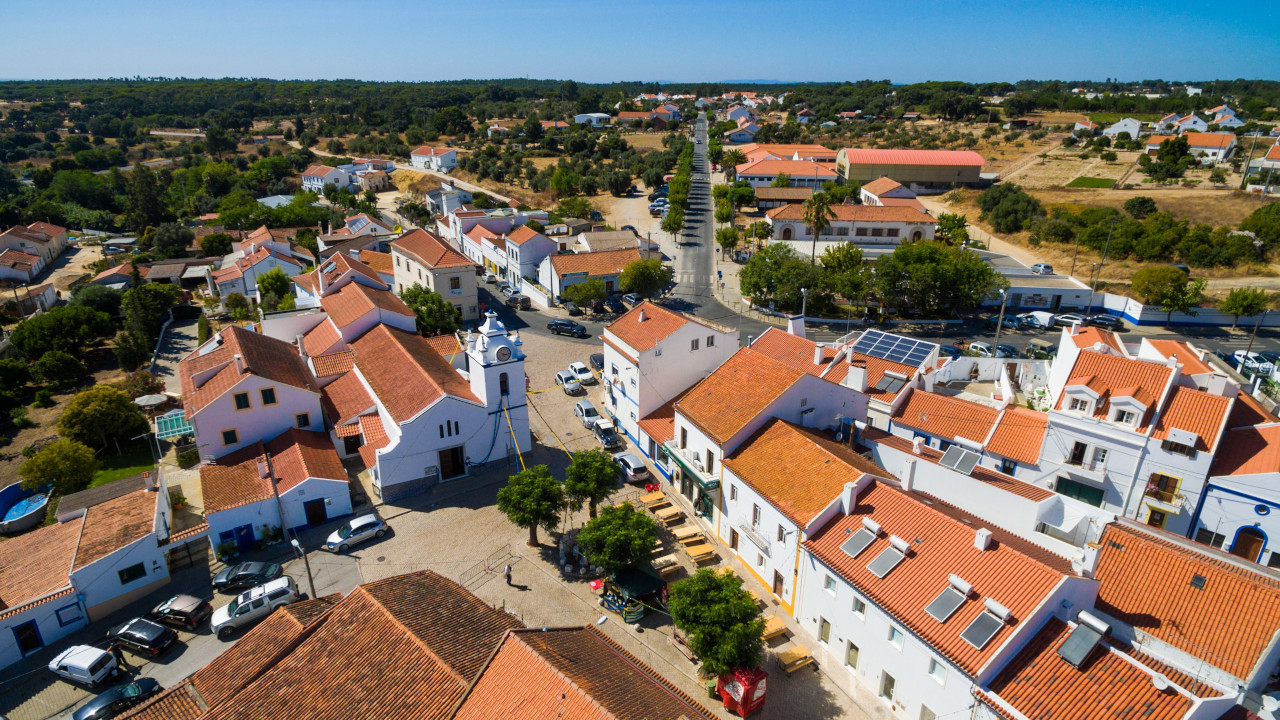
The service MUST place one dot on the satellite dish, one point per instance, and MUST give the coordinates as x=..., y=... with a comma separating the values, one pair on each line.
x=1160, y=682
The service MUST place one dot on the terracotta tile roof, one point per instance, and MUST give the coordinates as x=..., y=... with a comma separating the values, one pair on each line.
x=1087, y=337
x=856, y=213
x=786, y=193
x=658, y=324
x=379, y=262
x=263, y=356
x=1010, y=571
x=1194, y=411
x=406, y=374
x=340, y=264
x=233, y=480
x=1248, y=451
x=946, y=417
x=429, y=250
x=798, y=471
x=1042, y=686
x=1145, y=579
x=1103, y=372
x=335, y=363
x=1158, y=139
x=660, y=425
x=797, y=352
x=1191, y=362
x=1019, y=435
x=983, y=474
x=17, y=259
x=594, y=264
x=1273, y=153
x=345, y=398
x=375, y=438
x=323, y=339
x=737, y=392
x=881, y=185
x=771, y=167
x=38, y=563
x=46, y=230
x=869, y=156
x=431, y=151
x=353, y=301
x=573, y=673
x=1246, y=410
x=317, y=171
x=114, y=524
x=446, y=345
x=783, y=151
x=1216, y=141
x=297, y=455
x=523, y=234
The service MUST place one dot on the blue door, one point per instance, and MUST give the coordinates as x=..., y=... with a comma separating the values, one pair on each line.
x=244, y=537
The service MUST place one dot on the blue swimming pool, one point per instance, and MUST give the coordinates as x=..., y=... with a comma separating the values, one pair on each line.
x=22, y=507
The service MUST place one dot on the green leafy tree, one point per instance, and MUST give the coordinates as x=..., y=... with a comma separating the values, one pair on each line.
x=622, y=537
x=141, y=383
x=724, y=212
x=436, y=316
x=145, y=307
x=782, y=180
x=1245, y=301
x=68, y=328
x=1140, y=206
x=132, y=350
x=575, y=207
x=216, y=245
x=1218, y=176
x=218, y=141
x=817, y=216
x=144, y=205
x=1170, y=288
x=761, y=230
x=99, y=297
x=59, y=370
x=1265, y=223
x=778, y=274
x=533, y=499
x=728, y=238
x=953, y=229
x=275, y=282
x=618, y=182
x=586, y=293
x=238, y=306
x=645, y=277
x=590, y=478
x=1008, y=207
x=100, y=415
x=171, y=240
x=673, y=221
x=14, y=376
x=1184, y=300
x=935, y=279
x=847, y=272
x=67, y=465
x=203, y=331
x=720, y=620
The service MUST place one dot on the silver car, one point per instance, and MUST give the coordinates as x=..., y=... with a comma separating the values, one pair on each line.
x=586, y=413
x=631, y=466
x=569, y=382
x=356, y=531
x=252, y=605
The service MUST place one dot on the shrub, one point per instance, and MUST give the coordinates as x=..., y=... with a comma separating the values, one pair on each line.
x=19, y=417
x=44, y=398
x=188, y=458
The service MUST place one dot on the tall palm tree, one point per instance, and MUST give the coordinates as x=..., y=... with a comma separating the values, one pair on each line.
x=732, y=159
x=817, y=215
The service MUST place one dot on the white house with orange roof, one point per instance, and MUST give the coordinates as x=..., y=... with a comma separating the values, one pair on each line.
x=241, y=276
x=44, y=240
x=1192, y=124
x=19, y=265
x=526, y=249
x=242, y=387
x=651, y=356
x=1235, y=510
x=1208, y=148
x=920, y=602
x=434, y=158
x=331, y=276
x=803, y=173
x=241, y=505
x=863, y=225
x=422, y=258
x=879, y=190
x=350, y=312
x=317, y=177
x=559, y=271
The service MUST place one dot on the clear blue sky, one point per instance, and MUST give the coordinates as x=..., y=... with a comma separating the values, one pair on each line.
x=607, y=40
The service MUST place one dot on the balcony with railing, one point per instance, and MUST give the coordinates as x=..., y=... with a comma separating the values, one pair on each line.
x=1164, y=497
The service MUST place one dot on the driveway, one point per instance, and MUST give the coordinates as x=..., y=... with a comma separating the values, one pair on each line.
x=179, y=340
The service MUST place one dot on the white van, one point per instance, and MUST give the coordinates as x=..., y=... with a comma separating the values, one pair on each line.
x=84, y=665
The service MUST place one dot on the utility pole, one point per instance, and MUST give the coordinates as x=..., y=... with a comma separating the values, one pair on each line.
x=1092, y=279
x=1256, y=325
x=1004, y=297
x=297, y=546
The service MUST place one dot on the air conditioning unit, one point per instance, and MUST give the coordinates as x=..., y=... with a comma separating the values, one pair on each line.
x=698, y=464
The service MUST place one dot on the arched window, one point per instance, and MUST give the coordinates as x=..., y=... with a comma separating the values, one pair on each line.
x=786, y=233
x=916, y=235
x=503, y=386
x=1249, y=543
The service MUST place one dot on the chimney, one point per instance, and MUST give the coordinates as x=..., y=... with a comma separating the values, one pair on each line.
x=982, y=539
x=857, y=377
x=302, y=348
x=148, y=482
x=239, y=363
x=262, y=467
x=642, y=317
x=1075, y=328
x=321, y=281
x=849, y=497
x=916, y=444
x=908, y=480
x=818, y=351
x=795, y=325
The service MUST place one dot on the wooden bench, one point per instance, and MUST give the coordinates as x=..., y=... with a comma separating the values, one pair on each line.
x=670, y=515
x=689, y=534
x=664, y=561
x=773, y=627
x=700, y=552
x=756, y=596
x=794, y=659
x=652, y=497
x=668, y=571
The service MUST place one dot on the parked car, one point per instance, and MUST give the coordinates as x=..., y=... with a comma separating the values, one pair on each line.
x=607, y=434
x=182, y=610
x=1036, y=319
x=566, y=327
x=490, y=278
x=614, y=304
x=1007, y=351
x=1253, y=362
x=1106, y=322
x=1009, y=322
x=632, y=228
x=631, y=299
x=596, y=216
x=253, y=605
x=981, y=349
x=355, y=531
x=246, y=575
x=1271, y=357
x=1042, y=269
x=84, y=665
x=143, y=636
x=501, y=285
x=571, y=307
x=1041, y=350
x=586, y=413
x=599, y=307
x=596, y=361
x=568, y=382
x=508, y=291
x=947, y=351
x=1067, y=320
x=582, y=373
x=518, y=301
x=632, y=468
x=118, y=700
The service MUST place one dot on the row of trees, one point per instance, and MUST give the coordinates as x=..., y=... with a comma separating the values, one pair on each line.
x=642, y=277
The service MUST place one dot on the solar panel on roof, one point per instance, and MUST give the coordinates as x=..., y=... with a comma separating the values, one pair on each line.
x=967, y=462
x=885, y=562
x=951, y=456
x=895, y=348
x=1076, y=648
x=945, y=605
x=981, y=630
x=854, y=546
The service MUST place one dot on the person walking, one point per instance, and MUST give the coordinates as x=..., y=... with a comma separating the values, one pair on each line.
x=507, y=574
x=118, y=654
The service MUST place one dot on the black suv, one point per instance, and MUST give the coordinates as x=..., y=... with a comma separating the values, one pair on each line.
x=566, y=327
x=246, y=575
x=182, y=610
x=143, y=636
x=1106, y=322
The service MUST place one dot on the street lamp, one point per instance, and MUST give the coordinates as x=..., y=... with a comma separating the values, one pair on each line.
x=1004, y=297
